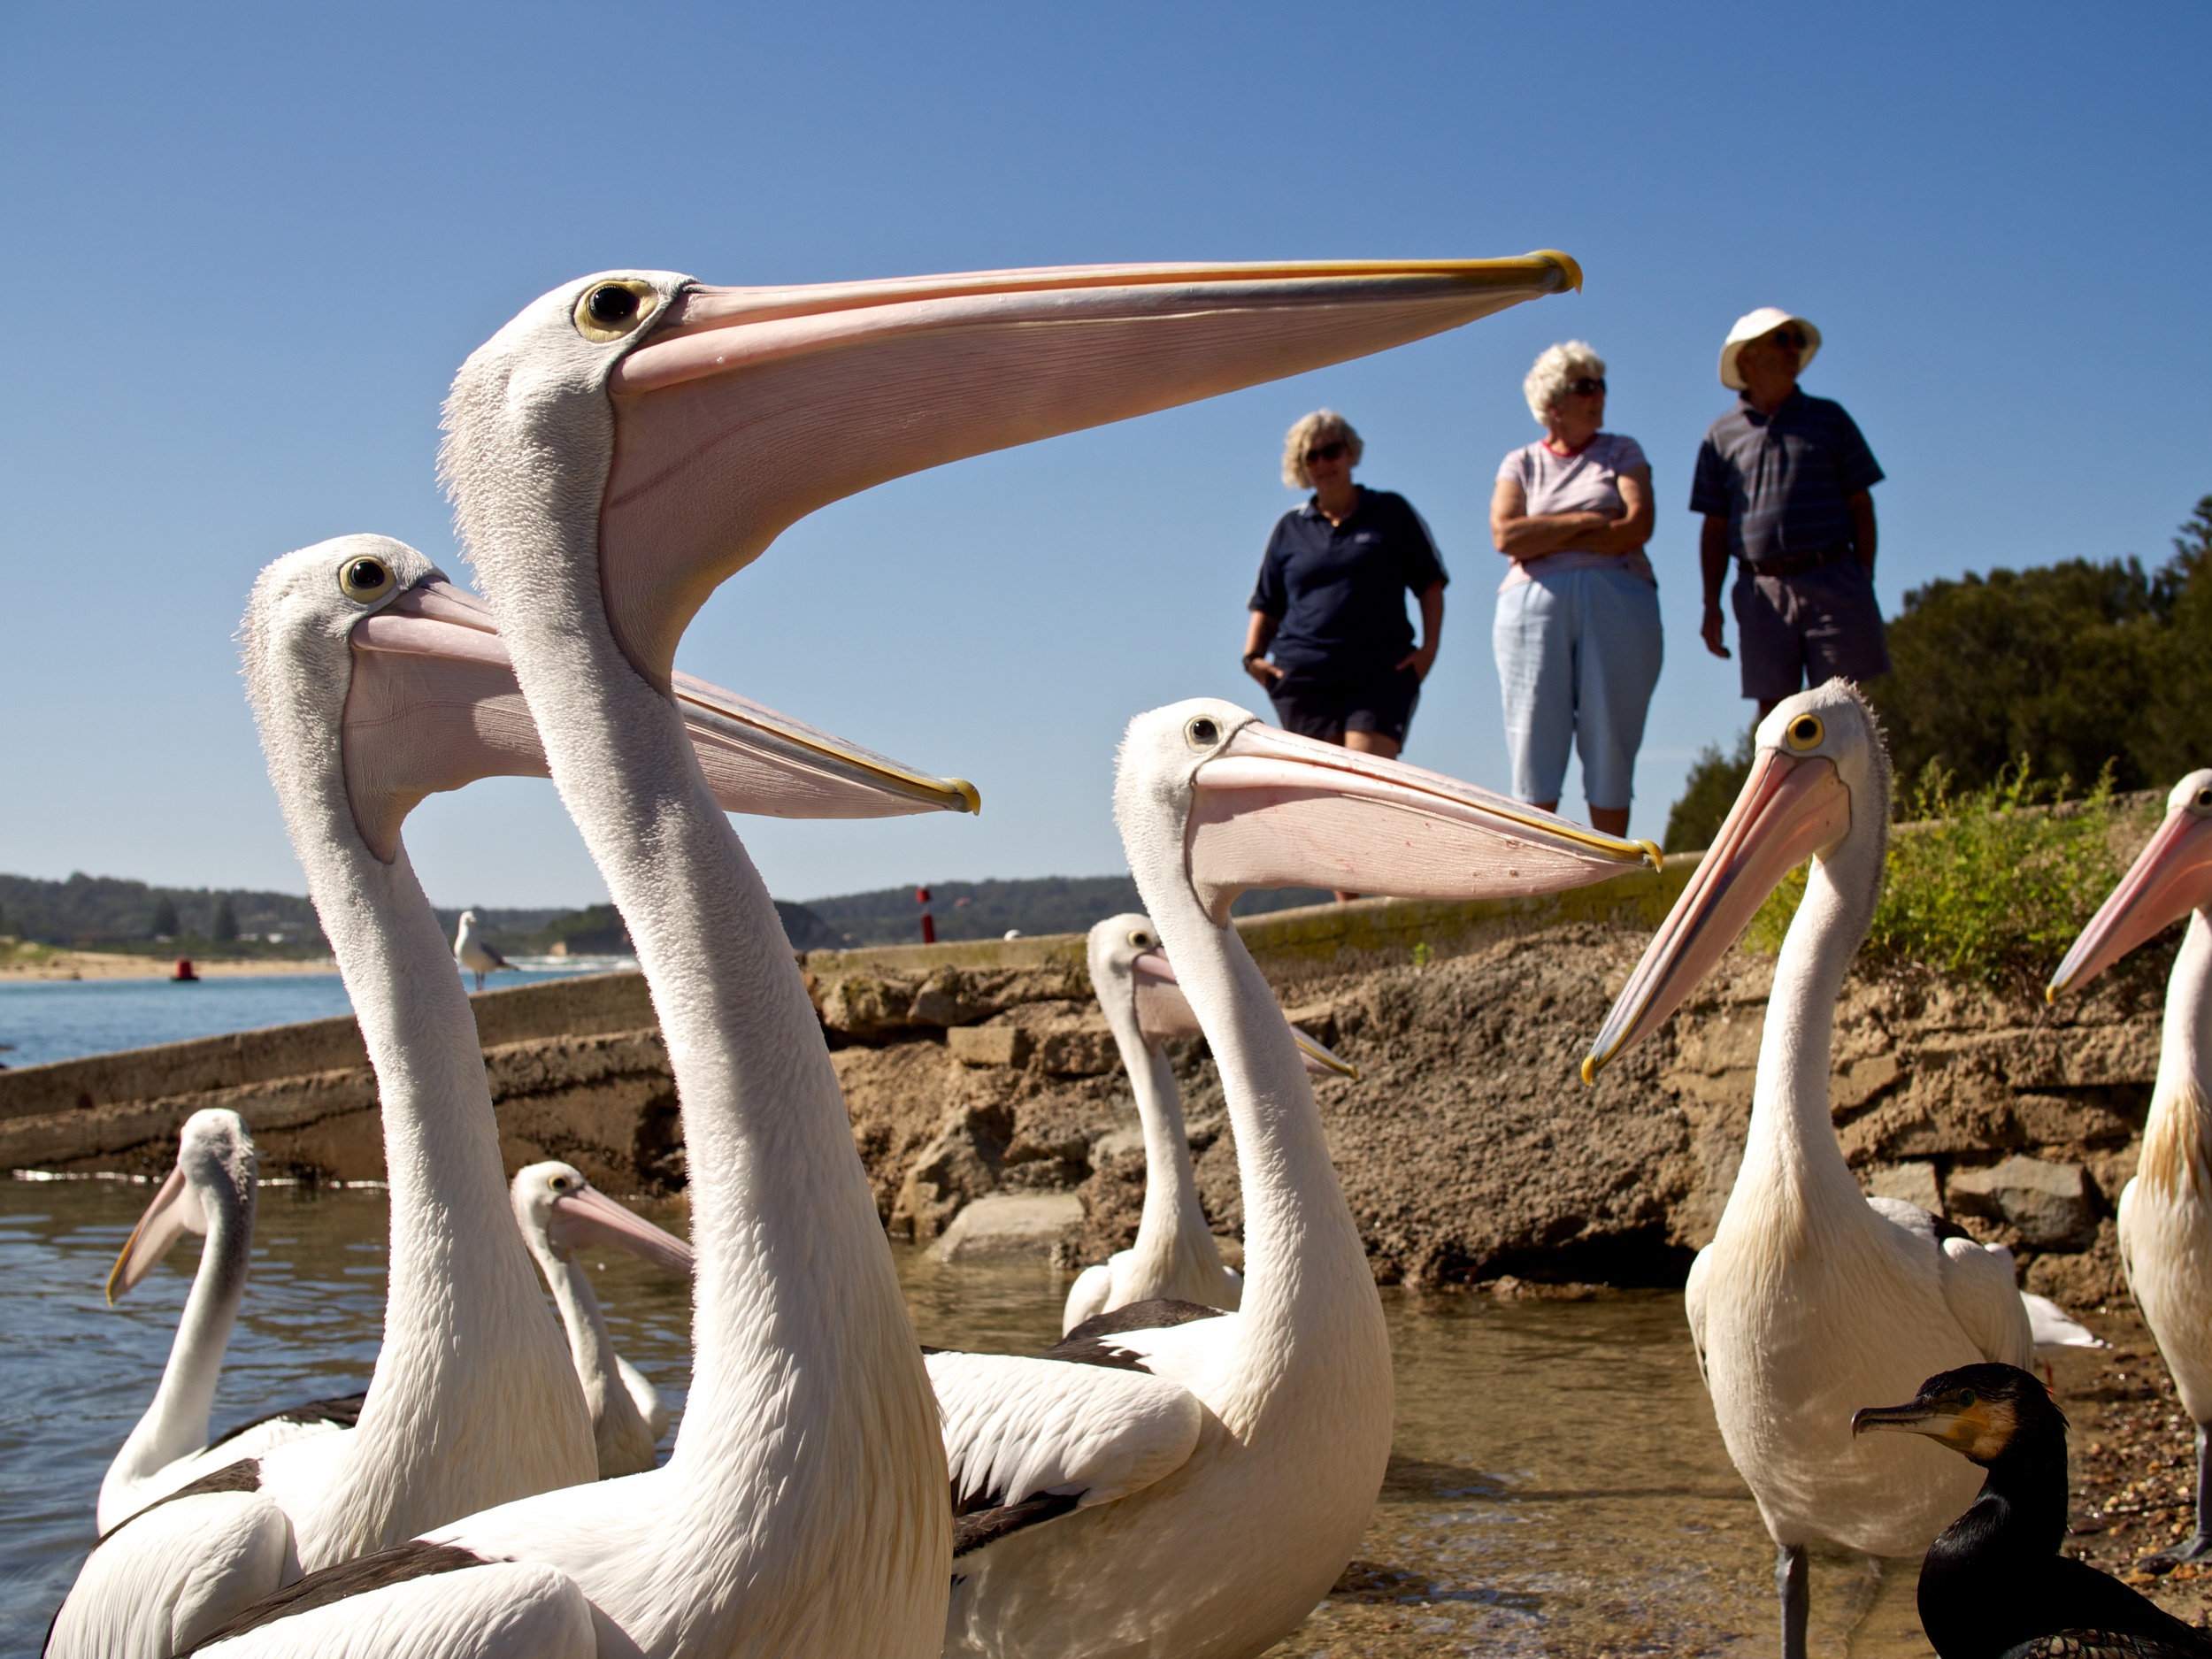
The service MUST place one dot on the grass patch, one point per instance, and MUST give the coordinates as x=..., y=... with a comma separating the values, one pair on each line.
x=1989, y=886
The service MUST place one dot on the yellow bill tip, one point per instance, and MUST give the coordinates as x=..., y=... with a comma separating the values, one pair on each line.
x=1589, y=1069
x=968, y=792
x=1567, y=263
x=1651, y=851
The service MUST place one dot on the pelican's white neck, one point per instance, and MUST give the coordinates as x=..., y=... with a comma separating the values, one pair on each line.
x=1172, y=1227
x=2178, y=1136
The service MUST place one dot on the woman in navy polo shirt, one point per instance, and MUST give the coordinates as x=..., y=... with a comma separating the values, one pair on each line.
x=1331, y=599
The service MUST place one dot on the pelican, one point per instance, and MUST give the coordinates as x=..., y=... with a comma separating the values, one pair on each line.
x=1813, y=1298
x=1174, y=1255
x=376, y=682
x=561, y=1212
x=474, y=954
x=1198, y=1484
x=2166, y=1210
x=210, y=1192
x=617, y=450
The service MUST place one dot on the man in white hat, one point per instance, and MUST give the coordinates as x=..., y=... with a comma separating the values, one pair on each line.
x=1783, y=481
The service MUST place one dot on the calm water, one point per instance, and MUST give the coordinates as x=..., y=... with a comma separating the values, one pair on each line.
x=1557, y=1487
x=63, y=1019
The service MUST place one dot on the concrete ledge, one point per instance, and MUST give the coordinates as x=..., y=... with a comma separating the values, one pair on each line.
x=1011, y=1225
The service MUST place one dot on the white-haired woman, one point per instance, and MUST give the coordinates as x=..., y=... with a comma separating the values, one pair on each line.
x=1331, y=599
x=1577, y=635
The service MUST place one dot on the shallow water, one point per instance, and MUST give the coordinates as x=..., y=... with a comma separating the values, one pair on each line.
x=65, y=1020
x=1558, y=1484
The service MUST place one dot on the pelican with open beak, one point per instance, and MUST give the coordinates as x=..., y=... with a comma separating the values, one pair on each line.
x=622, y=447
x=1811, y=1297
x=2165, y=1214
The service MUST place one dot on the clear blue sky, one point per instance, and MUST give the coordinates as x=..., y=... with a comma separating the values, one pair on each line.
x=248, y=246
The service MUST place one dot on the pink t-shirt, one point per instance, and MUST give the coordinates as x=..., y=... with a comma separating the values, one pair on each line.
x=1586, y=481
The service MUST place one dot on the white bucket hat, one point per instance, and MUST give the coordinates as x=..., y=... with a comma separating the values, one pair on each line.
x=1765, y=320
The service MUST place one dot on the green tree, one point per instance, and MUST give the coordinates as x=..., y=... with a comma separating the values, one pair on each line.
x=166, y=918
x=2174, y=734
x=225, y=926
x=1715, y=781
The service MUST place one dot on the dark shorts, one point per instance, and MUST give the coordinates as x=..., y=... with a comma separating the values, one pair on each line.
x=1313, y=706
x=1808, y=629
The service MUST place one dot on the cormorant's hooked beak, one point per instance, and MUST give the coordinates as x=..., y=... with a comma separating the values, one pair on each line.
x=1790, y=808
x=1914, y=1418
x=168, y=1219
x=1162, y=1011
x=2171, y=878
x=588, y=1216
x=433, y=705
x=740, y=410
x=1974, y=1432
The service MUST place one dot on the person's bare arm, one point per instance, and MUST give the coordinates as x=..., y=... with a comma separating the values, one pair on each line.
x=1520, y=536
x=1431, y=629
x=1861, y=508
x=1712, y=560
x=1259, y=634
x=1630, y=531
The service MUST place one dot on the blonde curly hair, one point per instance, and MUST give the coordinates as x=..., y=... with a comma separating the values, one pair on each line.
x=1559, y=364
x=1324, y=423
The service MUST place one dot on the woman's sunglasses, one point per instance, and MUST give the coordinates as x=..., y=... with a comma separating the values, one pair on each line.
x=1326, y=452
x=1789, y=339
x=1585, y=387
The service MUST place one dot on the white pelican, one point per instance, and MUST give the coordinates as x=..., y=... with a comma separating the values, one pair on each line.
x=375, y=683
x=624, y=445
x=1198, y=1484
x=474, y=954
x=2166, y=1210
x=1174, y=1255
x=1812, y=1298
x=210, y=1192
x=561, y=1212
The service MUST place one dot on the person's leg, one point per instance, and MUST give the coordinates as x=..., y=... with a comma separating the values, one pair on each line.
x=1841, y=624
x=1371, y=742
x=1536, y=678
x=1772, y=653
x=1617, y=668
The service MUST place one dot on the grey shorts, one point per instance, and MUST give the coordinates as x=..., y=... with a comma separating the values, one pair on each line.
x=1796, y=631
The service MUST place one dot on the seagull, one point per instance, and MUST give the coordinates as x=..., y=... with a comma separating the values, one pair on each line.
x=1812, y=1297
x=2053, y=1331
x=474, y=954
x=617, y=450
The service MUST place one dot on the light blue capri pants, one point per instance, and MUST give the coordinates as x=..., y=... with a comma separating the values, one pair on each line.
x=1578, y=654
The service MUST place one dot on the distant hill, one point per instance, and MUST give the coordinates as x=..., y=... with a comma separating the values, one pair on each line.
x=988, y=910
x=108, y=912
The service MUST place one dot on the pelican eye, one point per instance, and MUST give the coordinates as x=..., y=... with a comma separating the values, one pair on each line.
x=1804, y=732
x=608, y=311
x=365, y=578
x=1142, y=940
x=2204, y=799
x=1203, y=732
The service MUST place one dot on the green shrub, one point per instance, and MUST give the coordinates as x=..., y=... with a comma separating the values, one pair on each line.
x=1992, y=885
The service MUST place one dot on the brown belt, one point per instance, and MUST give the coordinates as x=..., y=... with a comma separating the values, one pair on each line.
x=1798, y=564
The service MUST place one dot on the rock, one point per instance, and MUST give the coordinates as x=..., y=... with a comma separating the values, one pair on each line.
x=856, y=1006
x=1078, y=1051
x=950, y=998
x=2052, y=1205
x=988, y=1045
x=1859, y=1081
x=959, y=1167
x=1914, y=1182
x=1011, y=1224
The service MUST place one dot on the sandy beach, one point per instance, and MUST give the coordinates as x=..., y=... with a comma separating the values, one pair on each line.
x=103, y=964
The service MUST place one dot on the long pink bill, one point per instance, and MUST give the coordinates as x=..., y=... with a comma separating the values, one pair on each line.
x=587, y=1217
x=1789, y=809
x=169, y=1217
x=2169, y=878
x=1163, y=1011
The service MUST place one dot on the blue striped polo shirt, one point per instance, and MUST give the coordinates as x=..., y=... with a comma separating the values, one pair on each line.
x=1782, y=478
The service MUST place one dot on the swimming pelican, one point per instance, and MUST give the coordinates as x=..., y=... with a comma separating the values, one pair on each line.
x=210, y=1192
x=561, y=1212
x=474, y=954
x=1813, y=1298
x=617, y=450
x=1174, y=1255
x=376, y=682
x=1198, y=1485
x=2166, y=1212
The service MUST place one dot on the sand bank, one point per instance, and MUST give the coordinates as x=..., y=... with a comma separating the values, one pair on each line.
x=104, y=965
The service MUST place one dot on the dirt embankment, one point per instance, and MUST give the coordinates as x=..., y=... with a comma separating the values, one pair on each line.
x=1469, y=1149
